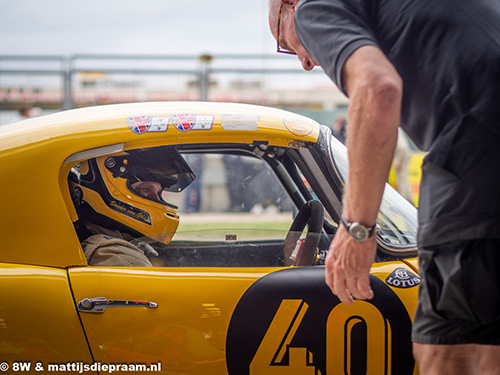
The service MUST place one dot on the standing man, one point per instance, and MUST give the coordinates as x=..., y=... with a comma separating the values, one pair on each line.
x=432, y=67
x=339, y=128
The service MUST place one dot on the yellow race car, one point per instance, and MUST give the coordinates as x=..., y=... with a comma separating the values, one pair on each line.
x=189, y=238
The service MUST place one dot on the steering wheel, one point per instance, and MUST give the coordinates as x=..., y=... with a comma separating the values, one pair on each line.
x=303, y=253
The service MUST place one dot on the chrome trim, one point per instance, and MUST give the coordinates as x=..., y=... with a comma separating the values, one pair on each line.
x=332, y=160
x=322, y=181
x=94, y=153
x=100, y=304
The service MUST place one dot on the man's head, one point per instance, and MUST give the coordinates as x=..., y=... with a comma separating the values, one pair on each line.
x=128, y=191
x=24, y=111
x=282, y=25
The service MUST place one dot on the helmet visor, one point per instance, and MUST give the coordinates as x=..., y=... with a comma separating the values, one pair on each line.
x=163, y=165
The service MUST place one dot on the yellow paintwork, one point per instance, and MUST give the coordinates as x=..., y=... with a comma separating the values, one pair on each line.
x=412, y=263
x=37, y=210
x=44, y=273
x=414, y=175
x=407, y=296
x=188, y=330
x=54, y=333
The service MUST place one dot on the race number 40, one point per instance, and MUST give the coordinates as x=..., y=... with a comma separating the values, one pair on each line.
x=340, y=324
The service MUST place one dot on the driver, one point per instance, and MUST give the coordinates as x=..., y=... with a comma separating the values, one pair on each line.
x=120, y=201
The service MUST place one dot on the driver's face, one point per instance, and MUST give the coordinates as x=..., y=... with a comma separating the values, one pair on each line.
x=149, y=189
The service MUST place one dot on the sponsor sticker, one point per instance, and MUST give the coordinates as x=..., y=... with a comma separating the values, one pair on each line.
x=402, y=278
x=298, y=128
x=139, y=124
x=237, y=117
x=238, y=125
x=159, y=124
x=233, y=121
x=203, y=122
x=185, y=122
x=146, y=124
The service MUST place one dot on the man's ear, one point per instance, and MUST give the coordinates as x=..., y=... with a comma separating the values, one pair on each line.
x=290, y=3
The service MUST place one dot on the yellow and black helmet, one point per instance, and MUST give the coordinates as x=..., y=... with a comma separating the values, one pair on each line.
x=127, y=191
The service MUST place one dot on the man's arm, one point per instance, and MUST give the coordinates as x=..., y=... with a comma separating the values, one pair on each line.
x=375, y=90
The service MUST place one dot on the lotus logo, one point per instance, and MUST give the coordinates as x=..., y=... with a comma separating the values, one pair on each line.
x=402, y=278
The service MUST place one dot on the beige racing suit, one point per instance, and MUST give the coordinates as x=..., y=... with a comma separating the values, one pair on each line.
x=113, y=248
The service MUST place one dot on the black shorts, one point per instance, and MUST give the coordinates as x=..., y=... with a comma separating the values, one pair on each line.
x=459, y=297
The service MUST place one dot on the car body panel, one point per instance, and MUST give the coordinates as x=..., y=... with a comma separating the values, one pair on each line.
x=188, y=330
x=38, y=318
x=238, y=313
x=39, y=147
x=289, y=322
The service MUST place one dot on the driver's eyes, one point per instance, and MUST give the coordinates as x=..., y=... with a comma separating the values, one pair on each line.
x=149, y=190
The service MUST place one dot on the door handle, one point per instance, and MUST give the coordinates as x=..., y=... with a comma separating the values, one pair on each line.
x=100, y=304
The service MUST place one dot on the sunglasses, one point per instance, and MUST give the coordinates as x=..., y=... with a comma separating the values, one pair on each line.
x=278, y=48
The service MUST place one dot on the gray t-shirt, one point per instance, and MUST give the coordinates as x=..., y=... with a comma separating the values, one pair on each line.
x=446, y=51
x=448, y=55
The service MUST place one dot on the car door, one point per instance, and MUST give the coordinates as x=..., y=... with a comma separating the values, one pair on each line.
x=244, y=321
x=174, y=317
x=39, y=327
x=172, y=320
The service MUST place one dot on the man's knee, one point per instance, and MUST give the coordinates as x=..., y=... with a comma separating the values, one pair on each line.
x=446, y=359
x=489, y=360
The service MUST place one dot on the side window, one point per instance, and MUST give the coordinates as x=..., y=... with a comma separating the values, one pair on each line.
x=232, y=192
x=158, y=207
x=235, y=213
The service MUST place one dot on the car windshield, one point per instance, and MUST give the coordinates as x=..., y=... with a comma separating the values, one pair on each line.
x=397, y=217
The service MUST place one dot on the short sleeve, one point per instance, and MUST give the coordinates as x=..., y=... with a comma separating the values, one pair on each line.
x=331, y=30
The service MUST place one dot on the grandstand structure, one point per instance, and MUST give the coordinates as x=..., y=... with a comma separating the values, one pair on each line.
x=64, y=82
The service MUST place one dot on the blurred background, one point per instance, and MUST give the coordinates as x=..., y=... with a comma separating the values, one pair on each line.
x=62, y=54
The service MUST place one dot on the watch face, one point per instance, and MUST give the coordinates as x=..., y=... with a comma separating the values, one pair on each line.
x=358, y=232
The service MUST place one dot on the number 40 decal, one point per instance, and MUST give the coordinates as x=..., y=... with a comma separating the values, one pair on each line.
x=341, y=321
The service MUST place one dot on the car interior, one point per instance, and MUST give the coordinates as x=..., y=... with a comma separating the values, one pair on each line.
x=256, y=206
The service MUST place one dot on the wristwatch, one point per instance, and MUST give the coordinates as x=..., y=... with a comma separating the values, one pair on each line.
x=359, y=231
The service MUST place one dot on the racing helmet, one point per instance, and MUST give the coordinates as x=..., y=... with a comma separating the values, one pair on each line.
x=127, y=191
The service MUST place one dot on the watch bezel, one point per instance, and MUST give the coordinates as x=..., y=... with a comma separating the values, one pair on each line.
x=358, y=231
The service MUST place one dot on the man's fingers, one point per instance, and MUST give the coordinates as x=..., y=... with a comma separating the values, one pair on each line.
x=358, y=283
x=329, y=279
x=364, y=288
x=360, y=287
x=340, y=288
x=352, y=285
x=345, y=288
x=347, y=271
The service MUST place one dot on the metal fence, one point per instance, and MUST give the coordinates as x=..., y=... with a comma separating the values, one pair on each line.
x=63, y=82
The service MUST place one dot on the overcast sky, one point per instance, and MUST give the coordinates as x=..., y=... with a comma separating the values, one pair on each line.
x=181, y=27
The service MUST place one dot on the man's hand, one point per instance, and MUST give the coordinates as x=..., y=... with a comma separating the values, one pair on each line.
x=348, y=266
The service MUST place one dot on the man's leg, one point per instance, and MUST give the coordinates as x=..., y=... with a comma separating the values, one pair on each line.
x=465, y=359
x=489, y=360
x=456, y=329
x=445, y=359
